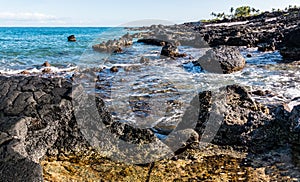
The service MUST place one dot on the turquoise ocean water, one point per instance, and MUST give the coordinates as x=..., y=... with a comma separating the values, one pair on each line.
x=26, y=48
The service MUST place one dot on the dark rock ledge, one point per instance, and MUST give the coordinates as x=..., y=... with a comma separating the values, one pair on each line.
x=34, y=113
x=269, y=31
x=37, y=120
x=38, y=128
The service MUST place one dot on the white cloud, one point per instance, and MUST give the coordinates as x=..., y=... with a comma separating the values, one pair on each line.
x=24, y=16
x=30, y=19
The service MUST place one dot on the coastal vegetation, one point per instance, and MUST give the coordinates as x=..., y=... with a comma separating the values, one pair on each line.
x=244, y=12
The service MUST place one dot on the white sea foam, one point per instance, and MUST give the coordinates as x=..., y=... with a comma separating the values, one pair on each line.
x=54, y=70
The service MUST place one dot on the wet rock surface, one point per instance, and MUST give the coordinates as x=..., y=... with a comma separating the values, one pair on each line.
x=222, y=60
x=170, y=50
x=245, y=122
x=114, y=46
x=212, y=164
x=43, y=136
x=269, y=31
x=38, y=128
x=72, y=38
x=37, y=119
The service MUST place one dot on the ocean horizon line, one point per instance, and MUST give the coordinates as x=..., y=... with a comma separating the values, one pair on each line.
x=62, y=26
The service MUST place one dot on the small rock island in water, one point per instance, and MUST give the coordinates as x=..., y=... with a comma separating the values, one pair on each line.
x=60, y=128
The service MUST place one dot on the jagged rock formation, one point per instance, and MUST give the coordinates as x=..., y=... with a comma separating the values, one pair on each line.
x=222, y=60
x=39, y=121
x=291, y=51
x=114, y=46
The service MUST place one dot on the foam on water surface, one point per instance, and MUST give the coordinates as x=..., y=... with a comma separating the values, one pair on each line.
x=141, y=91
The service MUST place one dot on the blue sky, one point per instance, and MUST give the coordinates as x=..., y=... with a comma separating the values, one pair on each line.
x=118, y=12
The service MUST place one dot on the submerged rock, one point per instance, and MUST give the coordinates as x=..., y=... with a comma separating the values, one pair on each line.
x=144, y=60
x=222, y=60
x=114, y=69
x=248, y=55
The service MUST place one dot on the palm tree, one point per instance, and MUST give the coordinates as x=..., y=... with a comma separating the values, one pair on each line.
x=223, y=15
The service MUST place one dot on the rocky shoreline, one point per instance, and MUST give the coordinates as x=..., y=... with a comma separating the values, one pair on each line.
x=268, y=31
x=42, y=137
x=43, y=132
